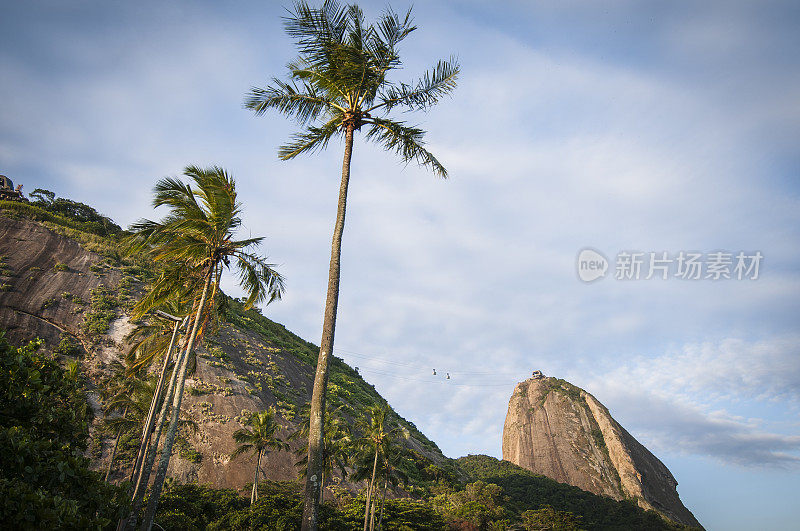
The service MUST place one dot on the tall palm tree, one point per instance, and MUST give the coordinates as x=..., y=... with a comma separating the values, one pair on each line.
x=258, y=440
x=338, y=85
x=196, y=242
x=337, y=442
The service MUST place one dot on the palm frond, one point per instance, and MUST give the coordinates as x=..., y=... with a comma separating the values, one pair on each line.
x=302, y=103
x=436, y=83
x=312, y=139
x=405, y=141
x=315, y=29
x=258, y=278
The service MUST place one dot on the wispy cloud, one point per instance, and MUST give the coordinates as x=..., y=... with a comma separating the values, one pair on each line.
x=674, y=399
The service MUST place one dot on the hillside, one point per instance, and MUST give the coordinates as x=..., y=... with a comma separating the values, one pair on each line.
x=64, y=283
x=529, y=491
x=63, y=279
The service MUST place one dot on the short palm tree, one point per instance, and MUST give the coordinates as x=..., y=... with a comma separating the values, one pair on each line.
x=120, y=392
x=392, y=473
x=336, y=87
x=195, y=242
x=377, y=436
x=259, y=439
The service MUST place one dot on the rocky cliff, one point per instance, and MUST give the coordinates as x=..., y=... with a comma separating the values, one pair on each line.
x=65, y=285
x=558, y=430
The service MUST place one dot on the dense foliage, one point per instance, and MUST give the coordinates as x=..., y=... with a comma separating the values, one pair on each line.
x=45, y=481
x=280, y=507
x=88, y=217
x=527, y=491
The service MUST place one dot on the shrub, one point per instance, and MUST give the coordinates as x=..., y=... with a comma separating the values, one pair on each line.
x=45, y=481
x=68, y=346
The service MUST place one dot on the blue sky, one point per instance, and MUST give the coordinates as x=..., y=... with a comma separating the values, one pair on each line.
x=619, y=126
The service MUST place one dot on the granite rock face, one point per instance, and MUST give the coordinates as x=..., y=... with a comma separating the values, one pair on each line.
x=47, y=280
x=560, y=431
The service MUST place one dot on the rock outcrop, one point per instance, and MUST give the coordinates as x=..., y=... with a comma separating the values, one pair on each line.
x=51, y=282
x=558, y=430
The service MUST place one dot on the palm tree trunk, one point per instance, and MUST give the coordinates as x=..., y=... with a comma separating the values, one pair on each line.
x=254, y=494
x=370, y=488
x=116, y=445
x=315, y=434
x=140, y=487
x=383, y=501
x=147, y=427
x=166, y=452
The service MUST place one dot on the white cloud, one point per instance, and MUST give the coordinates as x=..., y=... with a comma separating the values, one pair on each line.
x=671, y=401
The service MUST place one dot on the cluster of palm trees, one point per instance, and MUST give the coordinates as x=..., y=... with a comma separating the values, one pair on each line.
x=338, y=86
x=191, y=245
x=373, y=452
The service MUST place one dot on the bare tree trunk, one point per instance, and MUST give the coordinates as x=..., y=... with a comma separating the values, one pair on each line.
x=116, y=445
x=147, y=427
x=166, y=452
x=316, y=420
x=383, y=500
x=140, y=487
x=254, y=494
x=371, y=488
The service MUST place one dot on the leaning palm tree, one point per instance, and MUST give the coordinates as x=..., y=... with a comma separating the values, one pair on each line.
x=196, y=242
x=336, y=87
x=259, y=440
x=151, y=339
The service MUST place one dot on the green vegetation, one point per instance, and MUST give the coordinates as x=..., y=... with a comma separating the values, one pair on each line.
x=63, y=213
x=88, y=218
x=526, y=491
x=5, y=270
x=187, y=451
x=68, y=346
x=60, y=266
x=45, y=481
x=563, y=387
x=102, y=310
x=279, y=507
x=49, y=303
